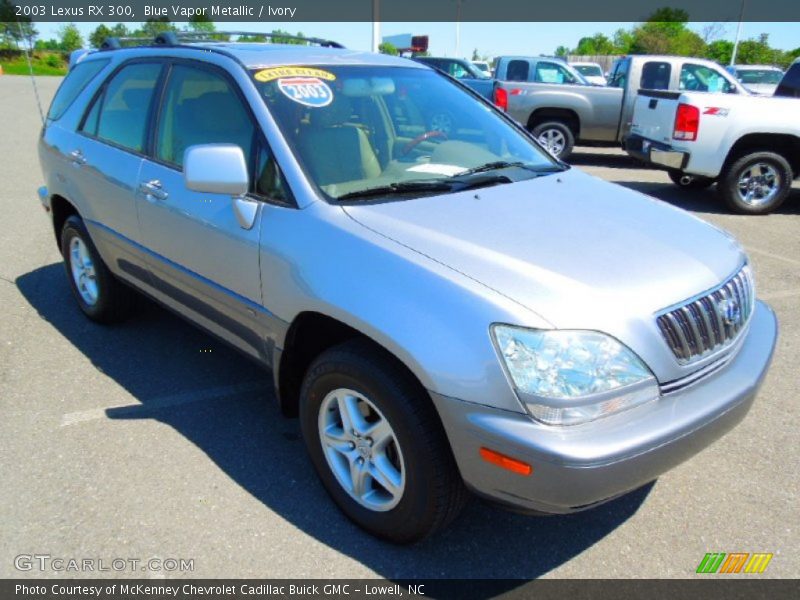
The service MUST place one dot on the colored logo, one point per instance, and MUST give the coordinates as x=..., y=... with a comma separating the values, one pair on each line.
x=278, y=72
x=729, y=311
x=309, y=91
x=736, y=562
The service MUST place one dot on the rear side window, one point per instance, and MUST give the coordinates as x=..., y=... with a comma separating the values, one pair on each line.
x=77, y=79
x=790, y=84
x=655, y=76
x=517, y=70
x=119, y=114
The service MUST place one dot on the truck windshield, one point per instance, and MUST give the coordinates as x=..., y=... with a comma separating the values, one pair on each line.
x=355, y=129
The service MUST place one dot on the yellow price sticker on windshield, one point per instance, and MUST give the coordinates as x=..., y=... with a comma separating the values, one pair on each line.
x=280, y=72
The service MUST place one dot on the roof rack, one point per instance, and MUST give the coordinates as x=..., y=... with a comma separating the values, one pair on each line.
x=174, y=38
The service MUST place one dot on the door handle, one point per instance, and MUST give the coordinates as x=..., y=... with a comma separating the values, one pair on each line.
x=153, y=189
x=77, y=158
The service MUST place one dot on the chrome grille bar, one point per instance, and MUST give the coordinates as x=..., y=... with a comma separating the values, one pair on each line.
x=710, y=322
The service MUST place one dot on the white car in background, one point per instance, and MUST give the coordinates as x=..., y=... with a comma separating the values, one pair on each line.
x=484, y=66
x=759, y=79
x=591, y=71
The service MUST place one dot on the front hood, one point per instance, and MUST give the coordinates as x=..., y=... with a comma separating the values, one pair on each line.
x=578, y=251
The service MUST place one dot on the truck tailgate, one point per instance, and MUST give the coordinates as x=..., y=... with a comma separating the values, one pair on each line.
x=654, y=114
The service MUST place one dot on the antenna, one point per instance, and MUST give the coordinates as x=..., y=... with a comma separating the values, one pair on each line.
x=30, y=70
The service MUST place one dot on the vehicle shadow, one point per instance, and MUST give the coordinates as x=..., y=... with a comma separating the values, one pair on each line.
x=590, y=157
x=156, y=354
x=701, y=201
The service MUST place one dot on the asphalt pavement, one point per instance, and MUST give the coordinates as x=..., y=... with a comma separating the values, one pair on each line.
x=151, y=439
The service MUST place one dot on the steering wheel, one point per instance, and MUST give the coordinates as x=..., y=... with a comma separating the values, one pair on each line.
x=433, y=133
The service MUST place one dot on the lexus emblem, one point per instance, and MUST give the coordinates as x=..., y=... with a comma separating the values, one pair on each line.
x=729, y=310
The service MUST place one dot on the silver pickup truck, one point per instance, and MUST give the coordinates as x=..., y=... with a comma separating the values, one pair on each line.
x=559, y=107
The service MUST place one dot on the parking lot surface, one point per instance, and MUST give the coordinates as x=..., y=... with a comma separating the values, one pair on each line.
x=151, y=439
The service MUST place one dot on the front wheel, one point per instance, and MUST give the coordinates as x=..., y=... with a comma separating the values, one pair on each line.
x=684, y=180
x=756, y=183
x=376, y=443
x=556, y=137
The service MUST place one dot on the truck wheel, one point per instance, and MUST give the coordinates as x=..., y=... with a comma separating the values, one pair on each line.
x=556, y=137
x=99, y=294
x=756, y=183
x=377, y=444
x=684, y=180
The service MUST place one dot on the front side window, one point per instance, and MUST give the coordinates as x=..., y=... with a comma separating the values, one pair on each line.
x=655, y=76
x=75, y=82
x=547, y=72
x=200, y=107
x=699, y=78
x=358, y=128
x=119, y=114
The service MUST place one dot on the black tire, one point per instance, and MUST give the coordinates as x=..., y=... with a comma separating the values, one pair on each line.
x=114, y=299
x=561, y=128
x=728, y=186
x=695, y=182
x=434, y=493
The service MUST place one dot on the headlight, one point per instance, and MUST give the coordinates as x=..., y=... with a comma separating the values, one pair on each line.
x=571, y=377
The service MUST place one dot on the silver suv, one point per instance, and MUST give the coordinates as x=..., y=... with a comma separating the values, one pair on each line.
x=444, y=311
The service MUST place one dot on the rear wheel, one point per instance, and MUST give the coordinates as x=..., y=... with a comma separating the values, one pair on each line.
x=99, y=294
x=556, y=137
x=757, y=183
x=684, y=180
x=376, y=443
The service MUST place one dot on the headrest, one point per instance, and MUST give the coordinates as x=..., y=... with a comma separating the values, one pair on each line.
x=336, y=113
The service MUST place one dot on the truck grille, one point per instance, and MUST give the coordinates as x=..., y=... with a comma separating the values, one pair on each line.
x=710, y=322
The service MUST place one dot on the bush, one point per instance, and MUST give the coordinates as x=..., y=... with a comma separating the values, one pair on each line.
x=53, y=60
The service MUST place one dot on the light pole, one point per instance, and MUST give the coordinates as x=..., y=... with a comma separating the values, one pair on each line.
x=458, y=28
x=738, y=35
x=376, y=25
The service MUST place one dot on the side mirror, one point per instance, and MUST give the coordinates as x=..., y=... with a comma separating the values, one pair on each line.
x=216, y=169
x=221, y=169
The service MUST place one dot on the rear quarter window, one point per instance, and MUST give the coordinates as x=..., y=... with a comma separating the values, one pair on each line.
x=75, y=82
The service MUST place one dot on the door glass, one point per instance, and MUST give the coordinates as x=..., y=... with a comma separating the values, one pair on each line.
x=790, y=84
x=655, y=76
x=119, y=114
x=619, y=77
x=547, y=72
x=517, y=70
x=201, y=107
x=699, y=78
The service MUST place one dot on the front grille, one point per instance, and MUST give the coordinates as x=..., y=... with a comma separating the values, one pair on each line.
x=708, y=323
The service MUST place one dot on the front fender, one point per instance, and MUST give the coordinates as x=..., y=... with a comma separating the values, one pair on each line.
x=433, y=319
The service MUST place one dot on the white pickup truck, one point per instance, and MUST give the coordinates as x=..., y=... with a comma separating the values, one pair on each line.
x=748, y=145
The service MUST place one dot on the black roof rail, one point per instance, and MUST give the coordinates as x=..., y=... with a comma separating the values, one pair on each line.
x=174, y=38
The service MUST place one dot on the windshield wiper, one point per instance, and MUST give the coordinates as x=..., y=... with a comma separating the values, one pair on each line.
x=504, y=164
x=400, y=187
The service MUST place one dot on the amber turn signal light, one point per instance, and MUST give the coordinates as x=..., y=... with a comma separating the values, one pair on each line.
x=506, y=462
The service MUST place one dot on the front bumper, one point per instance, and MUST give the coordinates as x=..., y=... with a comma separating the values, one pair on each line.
x=580, y=466
x=657, y=153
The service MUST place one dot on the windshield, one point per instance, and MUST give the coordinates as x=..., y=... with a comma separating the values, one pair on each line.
x=589, y=70
x=750, y=76
x=357, y=128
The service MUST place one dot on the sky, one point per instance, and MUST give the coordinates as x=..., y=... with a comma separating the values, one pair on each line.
x=493, y=39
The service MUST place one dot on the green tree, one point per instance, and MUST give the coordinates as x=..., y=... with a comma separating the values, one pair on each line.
x=201, y=24
x=279, y=39
x=14, y=29
x=152, y=27
x=720, y=51
x=667, y=32
x=757, y=51
x=388, y=48
x=598, y=44
x=103, y=31
x=562, y=51
x=623, y=41
x=70, y=37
